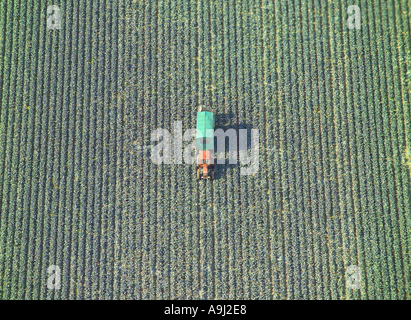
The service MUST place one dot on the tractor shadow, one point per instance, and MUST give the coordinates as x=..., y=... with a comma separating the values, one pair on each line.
x=225, y=122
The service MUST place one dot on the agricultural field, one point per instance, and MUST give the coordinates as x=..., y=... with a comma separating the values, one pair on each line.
x=327, y=215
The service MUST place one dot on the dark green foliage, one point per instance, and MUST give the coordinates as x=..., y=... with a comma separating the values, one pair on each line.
x=78, y=188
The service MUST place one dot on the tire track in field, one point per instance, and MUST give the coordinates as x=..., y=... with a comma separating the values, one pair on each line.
x=359, y=199
x=112, y=159
x=16, y=164
x=243, y=187
x=50, y=251
x=76, y=261
x=202, y=99
x=309, y=170
x=335, y=170
x=248, y=193
x=121, y=277
x=220, y=185
x=65, y=241
x=238, y=216
x=50, y=187
x=256, y=101
x=65, y=211
x=104, y=64
x=282, y=272
x=239, y=105
x=293, y=141
x=26, y=289
x=212, y=97
x=83, y=273
x=227, y=97
x=3, y=32
x=154, y=181
x=91, y=285
x=351, y=163
x=102, y=184
x=405, y=98
x=178, y=108
x=341, y=145
x=117, y=146
x=276, y=249
x=146, y=168
x=42, y=173
x=368, y=198
x=186, y=116
x=315, y=161
x=269, y=87
x=227, y=285
x=191, y=82
x=130, y=278
x=374, y=199
x=285, y=137
x=139, y=291
x=161, y=213
x=3, y=115
x=112, y=89
x=168, y=70
x=265, y=106
x=196, y=189
x=210, y=186
x=214, y=33
x=70, y=239
x=302, y=180
x=175, y=284
x=220, y=206
x=19, y=160
x=6, y=175
x=98, y=205
x=323, y=150
x=391, y=154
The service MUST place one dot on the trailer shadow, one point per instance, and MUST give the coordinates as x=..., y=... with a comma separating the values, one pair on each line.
x=225, y=122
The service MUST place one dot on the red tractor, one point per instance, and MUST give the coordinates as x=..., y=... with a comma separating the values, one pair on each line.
x=205, y=165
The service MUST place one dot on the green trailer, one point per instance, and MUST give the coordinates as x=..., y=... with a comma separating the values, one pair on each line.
x=205, y=143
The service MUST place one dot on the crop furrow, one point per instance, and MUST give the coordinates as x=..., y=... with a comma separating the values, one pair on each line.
x=32, y=131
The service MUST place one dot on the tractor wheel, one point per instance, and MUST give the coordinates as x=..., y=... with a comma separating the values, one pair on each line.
x=198, y=174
